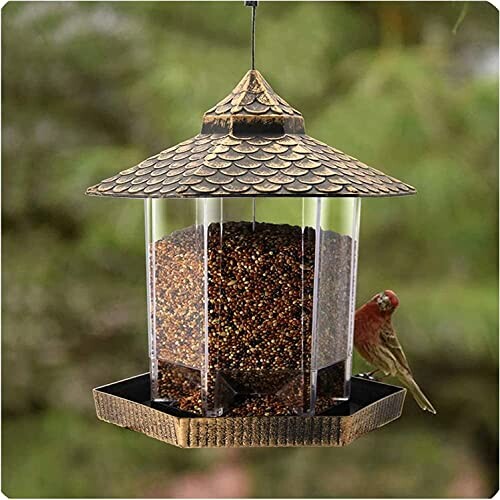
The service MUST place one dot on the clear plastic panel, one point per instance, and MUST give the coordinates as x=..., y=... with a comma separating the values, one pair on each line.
x=176, y=304
x=257, y=337
x=249, y=312
x=334, y=301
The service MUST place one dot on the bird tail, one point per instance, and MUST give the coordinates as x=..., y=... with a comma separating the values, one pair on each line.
x=418, y=395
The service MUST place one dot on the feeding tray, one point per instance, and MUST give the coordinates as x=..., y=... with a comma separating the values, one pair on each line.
x=372, y=404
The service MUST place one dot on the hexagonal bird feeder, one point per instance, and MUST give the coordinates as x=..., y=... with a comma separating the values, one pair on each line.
x=251, y=248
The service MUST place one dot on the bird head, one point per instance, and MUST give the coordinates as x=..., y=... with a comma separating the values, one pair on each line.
x=387, y=301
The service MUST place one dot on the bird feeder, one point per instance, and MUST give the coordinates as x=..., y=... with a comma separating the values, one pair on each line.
x=251, y=254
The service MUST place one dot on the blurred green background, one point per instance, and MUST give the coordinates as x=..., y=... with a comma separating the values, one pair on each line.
x=91, y=88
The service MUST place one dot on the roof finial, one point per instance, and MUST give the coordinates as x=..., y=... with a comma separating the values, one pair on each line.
x=253, y=4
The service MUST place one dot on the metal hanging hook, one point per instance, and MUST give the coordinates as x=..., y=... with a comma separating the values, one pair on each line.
x=253, y=5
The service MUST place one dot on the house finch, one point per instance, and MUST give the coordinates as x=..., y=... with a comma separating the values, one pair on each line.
x=376, y=340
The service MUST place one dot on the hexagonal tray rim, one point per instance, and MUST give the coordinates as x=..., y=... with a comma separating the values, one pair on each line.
x=372, y=405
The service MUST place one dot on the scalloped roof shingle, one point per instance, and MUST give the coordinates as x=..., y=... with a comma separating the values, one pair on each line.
x=252, y=143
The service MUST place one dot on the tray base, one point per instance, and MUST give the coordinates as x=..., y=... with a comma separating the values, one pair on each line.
x=127, y=404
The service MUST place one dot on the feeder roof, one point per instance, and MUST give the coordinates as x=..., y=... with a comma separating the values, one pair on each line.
x=252, y=143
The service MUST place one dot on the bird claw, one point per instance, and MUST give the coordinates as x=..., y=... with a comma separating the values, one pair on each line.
x=368, y=376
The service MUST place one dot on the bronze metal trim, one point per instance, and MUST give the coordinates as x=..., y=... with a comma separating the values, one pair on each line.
x=372, y=405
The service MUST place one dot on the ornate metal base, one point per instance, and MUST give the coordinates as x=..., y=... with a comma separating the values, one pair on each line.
x=372, y=405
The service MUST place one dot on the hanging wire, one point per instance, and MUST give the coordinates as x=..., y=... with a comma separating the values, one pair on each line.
x=252, y=4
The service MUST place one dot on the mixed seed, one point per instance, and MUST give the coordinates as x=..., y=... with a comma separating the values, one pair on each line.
x=256, y=358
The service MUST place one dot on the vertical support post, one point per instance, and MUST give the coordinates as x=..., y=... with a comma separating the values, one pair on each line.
x=314, y=329
x=355, y=213
x=205, y=349
x=212, y=212
x=149, y=222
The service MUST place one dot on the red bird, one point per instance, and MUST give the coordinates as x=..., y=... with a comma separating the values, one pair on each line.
x=376, y=341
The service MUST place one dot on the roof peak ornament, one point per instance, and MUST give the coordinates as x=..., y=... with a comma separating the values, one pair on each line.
x=253, y=107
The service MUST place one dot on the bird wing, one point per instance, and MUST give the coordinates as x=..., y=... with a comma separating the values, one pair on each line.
x=390, y=341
